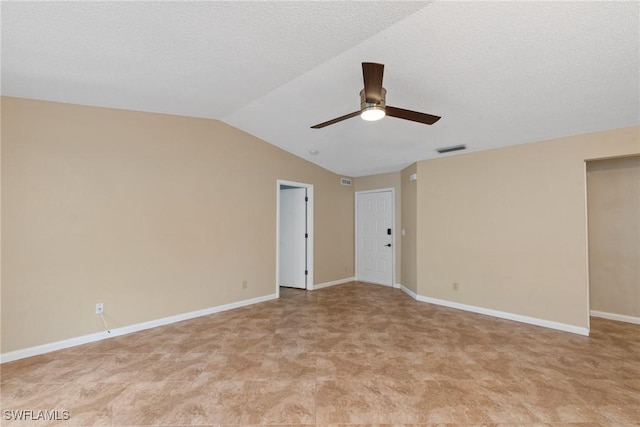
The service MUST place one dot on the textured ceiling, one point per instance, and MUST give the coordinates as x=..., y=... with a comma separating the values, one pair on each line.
x=498, y=73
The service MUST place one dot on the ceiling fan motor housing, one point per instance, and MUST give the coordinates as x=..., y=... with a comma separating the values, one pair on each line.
x=364, y=105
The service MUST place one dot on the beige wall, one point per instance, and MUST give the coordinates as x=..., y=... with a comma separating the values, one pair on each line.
x=0, y=226
x=153, y=215
x=409, y=225
x=509, y=225
x=613, y=201
x=387, y=180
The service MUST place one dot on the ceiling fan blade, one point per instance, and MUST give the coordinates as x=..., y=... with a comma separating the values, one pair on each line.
x=339, y=119
x=414, y=116
x=372, y=75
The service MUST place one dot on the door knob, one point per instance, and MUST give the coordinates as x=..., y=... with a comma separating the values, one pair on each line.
x=388, y=245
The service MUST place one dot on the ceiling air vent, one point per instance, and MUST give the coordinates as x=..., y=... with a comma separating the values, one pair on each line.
x=450, y=149
x=345, y=181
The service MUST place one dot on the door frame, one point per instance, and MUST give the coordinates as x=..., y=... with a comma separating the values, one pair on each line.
x=393, y=231
x=309, y=188
x=586, y=246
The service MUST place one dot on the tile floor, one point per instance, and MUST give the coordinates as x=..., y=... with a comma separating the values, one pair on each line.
x=353, y=354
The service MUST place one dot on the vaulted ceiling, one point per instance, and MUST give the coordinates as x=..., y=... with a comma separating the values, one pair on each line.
x=499, y=73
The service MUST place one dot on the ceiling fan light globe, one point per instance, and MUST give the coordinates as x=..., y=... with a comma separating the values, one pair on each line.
x=372, y=114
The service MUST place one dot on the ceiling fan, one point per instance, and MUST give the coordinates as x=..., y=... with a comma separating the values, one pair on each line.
x=372, y=101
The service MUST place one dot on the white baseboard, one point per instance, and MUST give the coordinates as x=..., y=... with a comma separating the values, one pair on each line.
x=72, y=342
x=509, y=316
x=397, y=286
x=409, y=292
x=618, y=317
x=333, y=283
x=500, y=314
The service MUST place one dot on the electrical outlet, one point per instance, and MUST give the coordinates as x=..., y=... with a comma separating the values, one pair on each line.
x=245, y=284
x=455, y=286
x=99, y=308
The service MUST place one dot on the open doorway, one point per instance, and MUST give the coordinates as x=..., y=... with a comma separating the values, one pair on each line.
x=294, y=235
x=613, y=209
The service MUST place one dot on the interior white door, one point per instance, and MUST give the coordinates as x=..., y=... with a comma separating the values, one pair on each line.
x=293, y=245
x=374, y=239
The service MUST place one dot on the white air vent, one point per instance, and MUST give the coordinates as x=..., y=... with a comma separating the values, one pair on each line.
x=345, y=181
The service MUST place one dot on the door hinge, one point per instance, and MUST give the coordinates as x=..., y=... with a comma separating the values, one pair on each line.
x=306, y=199
x=306, y=235
x=306, y=272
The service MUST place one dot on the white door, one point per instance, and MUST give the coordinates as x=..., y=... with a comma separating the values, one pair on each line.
x=374, y=237
x=293, y=245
